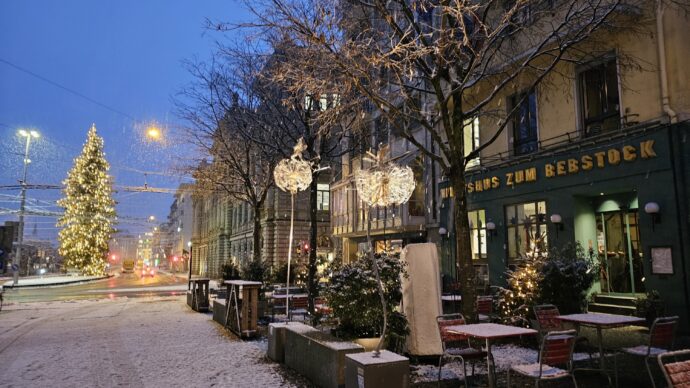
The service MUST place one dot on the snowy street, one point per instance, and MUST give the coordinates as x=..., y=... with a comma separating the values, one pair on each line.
x=141, y=342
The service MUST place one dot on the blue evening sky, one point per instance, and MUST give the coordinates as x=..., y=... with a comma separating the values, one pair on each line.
x=125, y=54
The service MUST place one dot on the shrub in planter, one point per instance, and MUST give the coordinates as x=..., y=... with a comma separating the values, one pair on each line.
x=650, y=306
x=566, y=276
x=353, y=295
x=230, y=271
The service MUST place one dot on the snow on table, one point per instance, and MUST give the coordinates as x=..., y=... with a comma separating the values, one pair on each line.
x=601, y=319
x=490, y=330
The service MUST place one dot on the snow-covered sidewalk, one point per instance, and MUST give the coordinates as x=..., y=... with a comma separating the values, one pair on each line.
x=51, y=280
x=138, y=342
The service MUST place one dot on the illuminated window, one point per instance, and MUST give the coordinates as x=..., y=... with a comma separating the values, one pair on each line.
x=471, y=139
x=323, y=196
x=477, y=220
x=525, y=221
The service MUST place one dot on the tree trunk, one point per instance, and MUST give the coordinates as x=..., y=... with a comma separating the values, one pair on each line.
x=312, y=280
x=257, y=234
x=465, y=267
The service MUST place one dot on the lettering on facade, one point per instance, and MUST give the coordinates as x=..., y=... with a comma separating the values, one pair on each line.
x=570, y=166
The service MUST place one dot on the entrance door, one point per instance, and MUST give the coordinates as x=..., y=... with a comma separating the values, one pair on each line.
x=618, y=243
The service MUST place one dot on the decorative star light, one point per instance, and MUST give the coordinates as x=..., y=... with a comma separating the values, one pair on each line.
x=294, y=174
x=385, y=183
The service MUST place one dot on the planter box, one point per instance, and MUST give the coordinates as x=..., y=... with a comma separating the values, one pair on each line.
x=276, y=339
x=318, y=356
x=363, y=370
x=189, y=299
x=219, y=311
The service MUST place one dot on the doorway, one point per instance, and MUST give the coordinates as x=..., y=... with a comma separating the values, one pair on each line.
x=619, y=251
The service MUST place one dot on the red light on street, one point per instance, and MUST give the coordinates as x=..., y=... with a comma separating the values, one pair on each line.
x=306, y=247
x=174, y=258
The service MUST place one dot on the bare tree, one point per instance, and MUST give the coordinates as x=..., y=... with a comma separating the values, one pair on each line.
x=221, y=107
x=428, y=66
x=299, y=100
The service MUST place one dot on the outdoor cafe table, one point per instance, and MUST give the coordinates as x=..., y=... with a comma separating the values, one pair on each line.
x=489, y=332
x=600, y=321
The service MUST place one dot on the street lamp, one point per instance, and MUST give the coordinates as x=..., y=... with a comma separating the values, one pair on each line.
x=28, y=134
x=189, y=248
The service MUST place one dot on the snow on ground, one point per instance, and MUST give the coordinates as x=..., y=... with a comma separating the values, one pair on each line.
x=49, y=280
x=138, y=342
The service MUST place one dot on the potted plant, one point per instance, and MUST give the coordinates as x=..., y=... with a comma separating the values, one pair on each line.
x=352, y=293
x=650, y=306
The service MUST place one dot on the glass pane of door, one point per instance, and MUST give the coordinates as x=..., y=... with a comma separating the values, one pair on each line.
x=620, y=254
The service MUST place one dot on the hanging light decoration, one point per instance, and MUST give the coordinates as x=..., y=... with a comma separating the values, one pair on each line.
x=384, y=184
x=292, y=175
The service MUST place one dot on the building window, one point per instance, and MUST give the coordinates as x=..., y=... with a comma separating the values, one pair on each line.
x=525, y=223
x=477, y=220
x=471, y=139
x=416, y=202
x=600, y=101
x=323, y=196
x=525, y=136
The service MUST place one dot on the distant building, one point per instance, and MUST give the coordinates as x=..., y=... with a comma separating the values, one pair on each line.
x=179, y=223
x=223, y=229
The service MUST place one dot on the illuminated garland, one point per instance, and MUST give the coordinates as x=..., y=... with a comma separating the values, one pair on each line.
x=89, y=210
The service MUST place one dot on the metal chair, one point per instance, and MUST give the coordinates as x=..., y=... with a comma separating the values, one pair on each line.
x=456, y=346
x=485, y=308
x=662, y=334
x=676, y=372
x=556, y=349
x=546, y=315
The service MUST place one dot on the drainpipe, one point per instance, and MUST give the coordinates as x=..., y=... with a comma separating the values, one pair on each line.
x=661, y=50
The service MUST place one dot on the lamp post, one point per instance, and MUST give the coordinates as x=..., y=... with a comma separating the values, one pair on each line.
x=189, y=250
x=28, y=135
x=382, y=185
x=292, y=175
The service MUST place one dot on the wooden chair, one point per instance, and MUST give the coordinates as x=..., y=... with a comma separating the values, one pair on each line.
x=556, y=350
x=456, y=346
x=298, y=306
x=485, y=308
x=676, y=372
x=662, y=334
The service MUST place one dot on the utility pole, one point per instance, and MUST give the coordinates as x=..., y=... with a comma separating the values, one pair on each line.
x=22, y=205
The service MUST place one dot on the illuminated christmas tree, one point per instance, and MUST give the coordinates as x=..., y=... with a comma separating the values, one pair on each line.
x=89, y=210
x=523, y=283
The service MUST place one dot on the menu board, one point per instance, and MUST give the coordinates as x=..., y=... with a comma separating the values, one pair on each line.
x=662, y=260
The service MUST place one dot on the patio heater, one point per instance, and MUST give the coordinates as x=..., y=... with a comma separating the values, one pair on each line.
x=292, y=175
x=384, y=184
